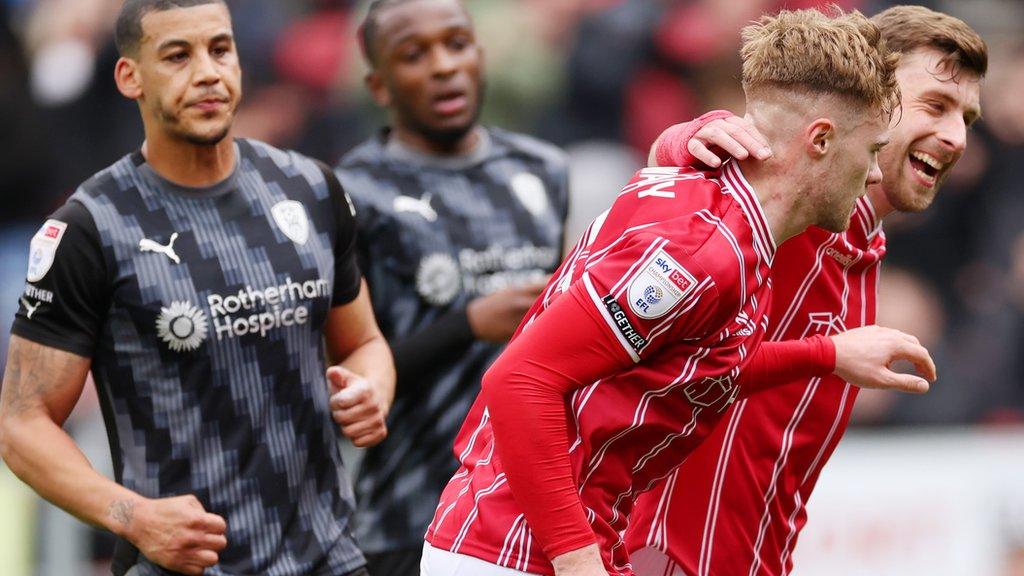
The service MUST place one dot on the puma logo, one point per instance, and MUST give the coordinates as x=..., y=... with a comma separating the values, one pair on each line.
x=420, y=206
x=31, y=309
x=147, y=245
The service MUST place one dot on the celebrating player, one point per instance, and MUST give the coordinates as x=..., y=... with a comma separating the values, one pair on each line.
x=198, y=280
x=631, y=355
x=459, y=227
x=737, y=504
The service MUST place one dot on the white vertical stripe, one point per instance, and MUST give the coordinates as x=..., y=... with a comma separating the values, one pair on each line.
x=780, y=462
x=710, y=521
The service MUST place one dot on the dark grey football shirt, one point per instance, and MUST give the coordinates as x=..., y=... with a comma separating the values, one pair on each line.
x=434, y=233
x=202, y=311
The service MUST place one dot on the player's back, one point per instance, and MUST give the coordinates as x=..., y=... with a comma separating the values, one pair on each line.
x=658, y=201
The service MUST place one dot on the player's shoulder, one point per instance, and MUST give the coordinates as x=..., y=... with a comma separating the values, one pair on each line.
x=368, y=153
x=279, y=157
x=666, y=198
x=370, y=179
x=668, y=181
x=287, y=168
x=549, y=154
x=114, y=180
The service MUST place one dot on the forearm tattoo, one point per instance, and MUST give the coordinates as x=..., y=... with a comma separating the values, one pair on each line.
x=32, y=372
x=122, y=511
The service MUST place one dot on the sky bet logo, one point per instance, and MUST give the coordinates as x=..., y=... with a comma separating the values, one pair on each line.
x=659, y=286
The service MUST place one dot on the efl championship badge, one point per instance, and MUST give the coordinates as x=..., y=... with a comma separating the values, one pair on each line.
x=529, y=190
x=659, y=285
x=291, y=219
x=438, y=279
x=43, y=249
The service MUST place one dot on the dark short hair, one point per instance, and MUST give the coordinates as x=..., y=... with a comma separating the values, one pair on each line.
x=371, y=26
x=128, y=31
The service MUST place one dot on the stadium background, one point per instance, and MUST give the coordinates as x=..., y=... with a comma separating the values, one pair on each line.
x=922, y=485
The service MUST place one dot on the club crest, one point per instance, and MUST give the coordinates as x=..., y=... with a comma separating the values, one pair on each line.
x=529, y=190
x=291, y=218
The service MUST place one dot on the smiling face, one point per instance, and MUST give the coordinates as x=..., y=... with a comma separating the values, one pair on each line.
x=185, y=74
x=428, y=69
x=930, y=133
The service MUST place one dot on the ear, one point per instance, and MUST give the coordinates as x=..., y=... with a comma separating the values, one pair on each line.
x=126, y=75
x=378, y=90
x=818, y=136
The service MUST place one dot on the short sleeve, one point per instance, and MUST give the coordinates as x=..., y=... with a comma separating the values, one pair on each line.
x=347, y=277
x=67, y=289
x=647, y=293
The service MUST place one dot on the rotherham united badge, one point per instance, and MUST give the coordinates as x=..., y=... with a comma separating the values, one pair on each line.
x=291, y=219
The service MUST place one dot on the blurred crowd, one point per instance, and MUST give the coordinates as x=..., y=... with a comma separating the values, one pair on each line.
x=600, y=78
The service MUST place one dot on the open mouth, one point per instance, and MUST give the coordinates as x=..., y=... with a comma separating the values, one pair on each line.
x=926, y=166
x=450, y=103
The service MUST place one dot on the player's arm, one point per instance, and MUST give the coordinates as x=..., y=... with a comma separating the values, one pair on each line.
x=525, y=391
x=48, y=360
x=362, y=380
x=40, y=387
x=490, y=318
x=861, y=356
x=709, y=140
x=595, y=330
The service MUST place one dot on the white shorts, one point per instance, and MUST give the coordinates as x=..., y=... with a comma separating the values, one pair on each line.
x=437, y=562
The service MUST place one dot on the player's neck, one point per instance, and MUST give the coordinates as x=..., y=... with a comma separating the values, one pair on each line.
x=425, y=145
x=189, y=164
x=776, y=193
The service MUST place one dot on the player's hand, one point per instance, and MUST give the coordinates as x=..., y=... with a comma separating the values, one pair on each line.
x=864, y=357
x=583, y=562
x=176, y=533
x=715, y=142
x=357, y=406
x=495, y=317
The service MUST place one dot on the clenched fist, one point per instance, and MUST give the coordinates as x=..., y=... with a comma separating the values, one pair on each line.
x=357, y=406
x=176, y=533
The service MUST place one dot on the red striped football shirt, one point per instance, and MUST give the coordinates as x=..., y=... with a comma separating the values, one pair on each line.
x=737, y=505
x=677, y=272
